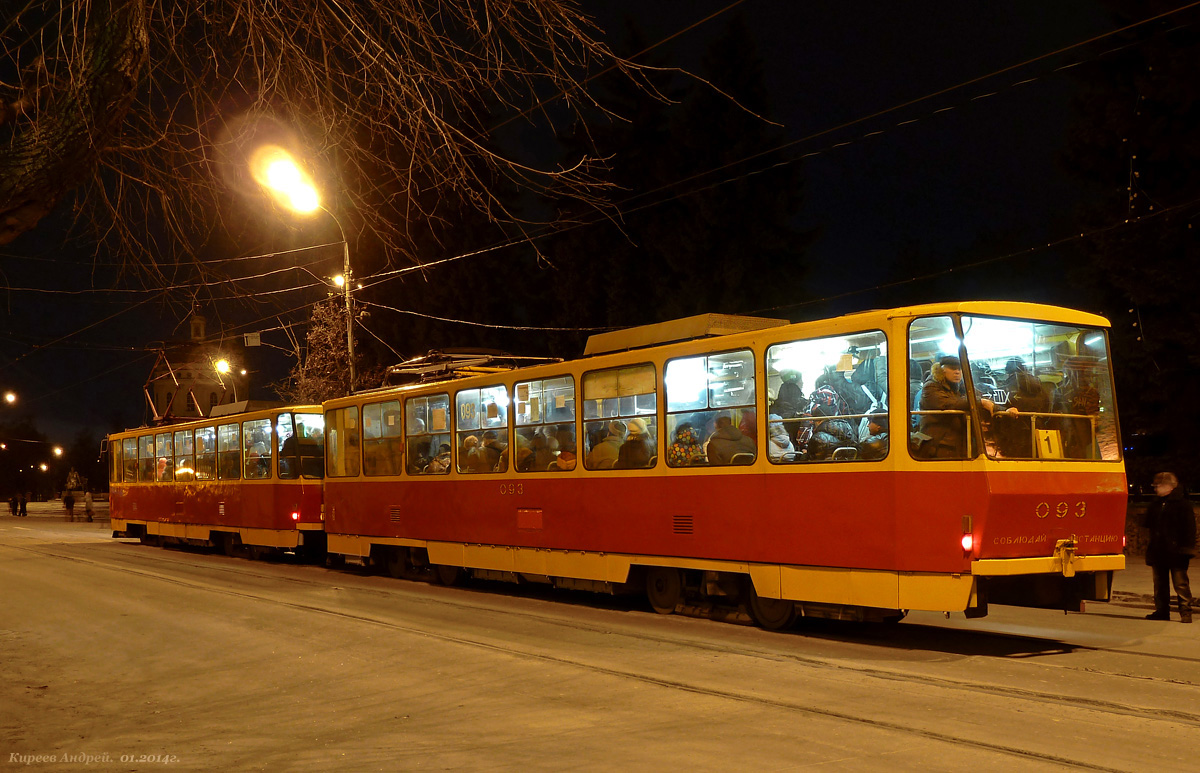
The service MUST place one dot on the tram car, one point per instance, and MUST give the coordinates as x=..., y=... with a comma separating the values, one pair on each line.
x=938, y=457
x=246, y=483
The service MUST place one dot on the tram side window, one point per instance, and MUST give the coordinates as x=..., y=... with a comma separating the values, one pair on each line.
x=146, y=458
x=185, y=463
x=256, y=434
x=285, y=433
x=710, y=410
x=383, y=439
x=114, y=461
x=310, y=441
x=939, y=423
x=206, y=453
x=342, y=440
x=828, y=399
x=164, y=457
x=427, y=434
x=129, y=459
x=545, y=419
x=481, y=423
x=620, y=418
x=229, y=452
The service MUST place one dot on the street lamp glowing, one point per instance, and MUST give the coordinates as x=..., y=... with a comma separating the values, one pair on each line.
x=339, y=280
x=58, y=451
x=222, y=366
x=44, y=466
x=10, y=397
x=276, y=170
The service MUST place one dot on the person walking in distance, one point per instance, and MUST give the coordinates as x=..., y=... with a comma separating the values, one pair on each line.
x=1172, y=525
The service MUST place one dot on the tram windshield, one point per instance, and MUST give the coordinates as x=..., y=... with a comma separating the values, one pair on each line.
x=1048, y=387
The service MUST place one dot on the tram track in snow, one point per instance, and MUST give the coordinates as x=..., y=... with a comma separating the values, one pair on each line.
x=169, y=559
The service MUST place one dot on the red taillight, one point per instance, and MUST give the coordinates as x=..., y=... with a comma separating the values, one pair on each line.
x=296, y=516
x=1123, y=538
x=968, y=543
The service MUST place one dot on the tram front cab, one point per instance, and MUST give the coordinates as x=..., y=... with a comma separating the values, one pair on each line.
x=1039, y=480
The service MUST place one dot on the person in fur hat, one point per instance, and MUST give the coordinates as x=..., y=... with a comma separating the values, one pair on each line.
x=945, y=391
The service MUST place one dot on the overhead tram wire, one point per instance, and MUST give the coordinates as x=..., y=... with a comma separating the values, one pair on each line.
x=484, y=324
x=620, y=206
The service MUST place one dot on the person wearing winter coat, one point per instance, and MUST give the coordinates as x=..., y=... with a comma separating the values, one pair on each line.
x=789, y=400
x=685, y=450
x=1012, y=431
x=779, y=445
x=945, y=434
x=1172, y=525
x=726, y=441
x=604, y=453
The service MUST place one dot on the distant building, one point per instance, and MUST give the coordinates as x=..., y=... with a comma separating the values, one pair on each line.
x=191, y=378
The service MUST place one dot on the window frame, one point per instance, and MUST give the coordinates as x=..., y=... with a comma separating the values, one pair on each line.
x=208, y=471
x=708, y=407
x=581, y=399
x=428, y=432
x=854, y=422
x=539, y=425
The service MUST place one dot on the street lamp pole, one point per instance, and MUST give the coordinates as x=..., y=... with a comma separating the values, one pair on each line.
x=349, y=306
x=346, y=292
x=278, y=172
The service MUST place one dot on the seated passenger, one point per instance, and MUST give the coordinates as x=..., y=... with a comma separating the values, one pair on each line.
x=779, y=445
x=726, y=441
x=875, y=444
x=467, y=453
x=440, y=463
x=566, y=450
x=637, y=449
x=607, y=449
x=749, y=425
x=566, y=456
x=686, y=449
x=545, y=448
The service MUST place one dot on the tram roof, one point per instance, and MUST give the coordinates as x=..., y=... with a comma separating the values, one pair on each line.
x=686, y=329
x=1018, y=309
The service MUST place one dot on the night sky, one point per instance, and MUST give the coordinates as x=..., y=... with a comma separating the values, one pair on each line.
x=957, y=178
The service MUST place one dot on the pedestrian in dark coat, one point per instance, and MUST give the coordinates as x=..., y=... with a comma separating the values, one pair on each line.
x=1172, y=525
x=24, y=504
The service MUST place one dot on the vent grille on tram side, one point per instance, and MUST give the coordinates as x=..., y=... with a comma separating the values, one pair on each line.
x=395, y=514
x=682, y=524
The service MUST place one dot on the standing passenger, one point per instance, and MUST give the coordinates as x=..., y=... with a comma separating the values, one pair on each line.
x=944, y=391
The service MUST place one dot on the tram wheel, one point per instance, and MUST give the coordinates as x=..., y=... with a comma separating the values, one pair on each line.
x=771, y=614
x=664, y=589
x=447, y=575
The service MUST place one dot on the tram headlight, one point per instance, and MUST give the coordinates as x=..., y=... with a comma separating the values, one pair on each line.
x=968, y=543
x=296, y=515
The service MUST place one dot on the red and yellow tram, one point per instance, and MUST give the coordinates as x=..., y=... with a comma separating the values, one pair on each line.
x=800, y=467
x=249, y=482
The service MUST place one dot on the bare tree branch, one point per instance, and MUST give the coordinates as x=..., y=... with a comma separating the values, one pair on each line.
x=159, y=102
